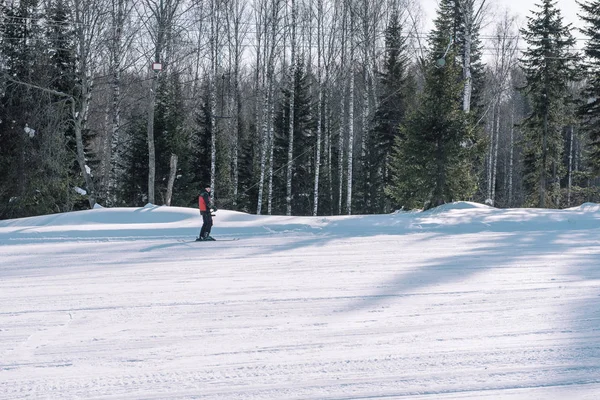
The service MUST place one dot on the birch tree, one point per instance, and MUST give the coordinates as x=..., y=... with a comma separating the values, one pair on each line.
x=89, y=22
x=236, y=33
x=272, y=10
x=320, y=50
x=504, y=43
x=472, y=12
x=351, y=88
x=292, y=75
x=118, y=41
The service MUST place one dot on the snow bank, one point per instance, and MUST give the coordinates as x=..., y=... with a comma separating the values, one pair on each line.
x=153, y=221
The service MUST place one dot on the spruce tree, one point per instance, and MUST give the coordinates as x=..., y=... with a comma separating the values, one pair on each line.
x=133, y=162
x=590, y=110
x=431, y=163
x=25, y=117
x=449, y=25
x=396, y=86
x=549, y=66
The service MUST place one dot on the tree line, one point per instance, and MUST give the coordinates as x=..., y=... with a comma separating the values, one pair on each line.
x=296, y=107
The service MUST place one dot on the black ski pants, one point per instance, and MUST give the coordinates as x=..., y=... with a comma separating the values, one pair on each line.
x=207, y=223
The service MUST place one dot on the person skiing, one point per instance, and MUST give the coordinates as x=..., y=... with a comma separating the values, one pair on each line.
x=206, y=209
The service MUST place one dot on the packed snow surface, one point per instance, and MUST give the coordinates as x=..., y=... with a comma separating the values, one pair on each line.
x=464, y=301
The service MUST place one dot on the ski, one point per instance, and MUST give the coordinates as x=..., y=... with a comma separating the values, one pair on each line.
x=215, y=240
x=219, y=240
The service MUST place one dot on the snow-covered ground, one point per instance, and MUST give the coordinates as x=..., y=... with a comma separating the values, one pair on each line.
x=463, y=301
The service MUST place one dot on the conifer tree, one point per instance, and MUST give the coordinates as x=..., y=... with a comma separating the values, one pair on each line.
x=549, y=66
x=590, y=110
x=133, y=161
x=25, y=162
x=395, y=87
x=61, y=75
x=433, y=156
x=450, y=23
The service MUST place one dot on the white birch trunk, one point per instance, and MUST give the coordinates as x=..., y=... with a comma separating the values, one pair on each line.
x=495, y=155
x=511, y=157
x=467, y=73
x=235, y=20
x=350, y=157
x=290, y=163
x=365, y=132
x=341, y=159
x=116, y=59
x=88, y=27
x=319, y=109
x=214, y=40
x=570, y=166
x=471, y=20
x=266, y=157
x=171, y=182
x=263, y=152
x=270, y=144
x=150, y=138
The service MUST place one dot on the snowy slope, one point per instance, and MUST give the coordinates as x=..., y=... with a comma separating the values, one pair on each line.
x=463, y=301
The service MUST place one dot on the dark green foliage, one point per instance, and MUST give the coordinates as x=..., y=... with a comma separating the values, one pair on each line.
x=34, y=159
x=549, y=67
x=449, y=25
x=303, y=164
x=61, y=68
x=248, y=170
x=201, y=147
x=396, y=86
x=433, y=156
x=590, y=109
x=133, y=183
x=171, y=138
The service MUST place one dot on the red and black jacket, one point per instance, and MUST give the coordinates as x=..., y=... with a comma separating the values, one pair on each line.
x=204, y=202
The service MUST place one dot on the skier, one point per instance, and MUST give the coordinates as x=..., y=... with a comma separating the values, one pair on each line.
x=206, y=209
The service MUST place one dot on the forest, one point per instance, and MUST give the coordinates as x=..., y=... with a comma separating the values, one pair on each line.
x=296, y=107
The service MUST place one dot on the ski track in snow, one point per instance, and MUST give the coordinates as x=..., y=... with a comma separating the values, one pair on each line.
x=295, y=315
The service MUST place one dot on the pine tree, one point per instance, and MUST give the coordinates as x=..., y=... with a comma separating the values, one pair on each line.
x=590, y=110
x=30, y=161
x=432, y=158
x=450, y=25
x=395, y=87
x=549, y=66
x=133, y=161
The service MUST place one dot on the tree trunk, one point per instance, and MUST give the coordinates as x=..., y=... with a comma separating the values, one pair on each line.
x=511, y=157
x=172, y=176
x=80, y=105
x=467, y=72
x=542, y=193
x=495, y=156
x=150, y=138
x=266, y=156
x=290, y=163
x=319, y=109
x=350, y=141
